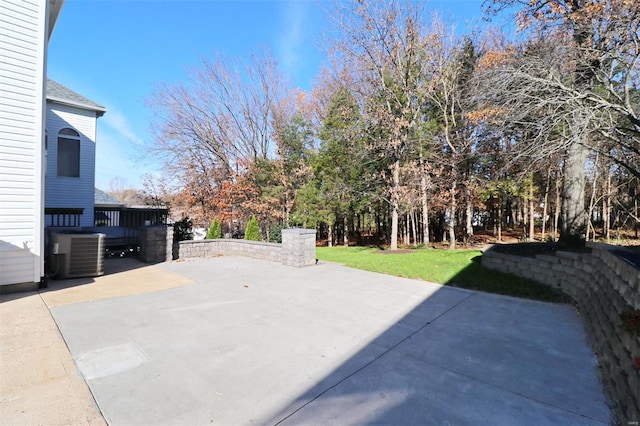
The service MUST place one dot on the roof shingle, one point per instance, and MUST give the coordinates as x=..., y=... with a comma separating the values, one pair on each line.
x=104, y=199
x=56, y=92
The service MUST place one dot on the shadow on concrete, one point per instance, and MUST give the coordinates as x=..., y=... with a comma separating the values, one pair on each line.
x=464, y=357
x=112, y=266
x=477, y=277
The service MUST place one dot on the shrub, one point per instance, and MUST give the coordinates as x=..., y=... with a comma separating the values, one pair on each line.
x=252, y=231
x=275, y=234
x=183, y=229
x=215, y=230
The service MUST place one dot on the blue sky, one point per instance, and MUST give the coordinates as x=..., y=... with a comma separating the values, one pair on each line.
x=115, y=51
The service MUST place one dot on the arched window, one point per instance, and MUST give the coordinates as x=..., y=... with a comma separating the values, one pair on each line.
x=68, y=153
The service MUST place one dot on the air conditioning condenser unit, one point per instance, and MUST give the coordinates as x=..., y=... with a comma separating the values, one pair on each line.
x=78, y=254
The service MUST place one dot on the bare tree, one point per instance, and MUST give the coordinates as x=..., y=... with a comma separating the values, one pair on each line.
x=577, y=75
x=223, y=112
x=216, y=125
x=451, y=64
x=125, y=193
x=382, y=42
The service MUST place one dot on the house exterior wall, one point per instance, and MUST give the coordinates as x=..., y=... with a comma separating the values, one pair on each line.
x=23, y=42
x=71, y=192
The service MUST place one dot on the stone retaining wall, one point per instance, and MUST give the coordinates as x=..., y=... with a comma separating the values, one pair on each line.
x=604, y=286
x=298, y=248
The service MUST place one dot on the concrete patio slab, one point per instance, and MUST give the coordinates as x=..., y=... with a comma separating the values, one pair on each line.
x=474, y=342
x=400, y=390
x=256, y=342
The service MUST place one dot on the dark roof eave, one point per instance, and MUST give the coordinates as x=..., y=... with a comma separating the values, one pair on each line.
x=98, y=110
x=109, y=205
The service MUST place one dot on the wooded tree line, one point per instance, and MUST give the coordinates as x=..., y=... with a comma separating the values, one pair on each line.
x=416, y=133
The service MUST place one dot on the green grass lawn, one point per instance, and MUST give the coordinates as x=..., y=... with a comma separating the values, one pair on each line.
x=458, y=268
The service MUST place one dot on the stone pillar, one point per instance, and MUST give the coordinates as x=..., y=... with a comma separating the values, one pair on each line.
x=153, y=244
x=298, y=247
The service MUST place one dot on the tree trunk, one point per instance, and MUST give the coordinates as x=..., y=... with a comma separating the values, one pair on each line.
x=545, y=208
x=286, y=209
x=532, y=220
x=524, y=221
x=637, y=213
x=452, y=209
x=510, y=215
x=469, y=215
x=414, y=230
x=573, y=213
x=345, y=230
x=556, y=218
x=592, y=203
x=425, y=207
x=330, y=236
x=394, y=205
x=500, y=222
x=606, y=208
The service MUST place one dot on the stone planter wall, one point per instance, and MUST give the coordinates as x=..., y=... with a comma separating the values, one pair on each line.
x=604, y=286
x=298, y=248
x=221, y=247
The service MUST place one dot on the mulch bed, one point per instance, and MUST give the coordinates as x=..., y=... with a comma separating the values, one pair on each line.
x=630, y=257
x=403, y=251
x=533, y=249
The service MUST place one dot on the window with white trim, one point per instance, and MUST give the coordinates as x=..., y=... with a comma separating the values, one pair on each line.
x=68, y=153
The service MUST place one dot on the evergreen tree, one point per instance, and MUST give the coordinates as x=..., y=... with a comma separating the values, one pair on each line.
x=183, y=229
x=252, y=232
x=215, y=230
x=275, y=234
x=340, y=164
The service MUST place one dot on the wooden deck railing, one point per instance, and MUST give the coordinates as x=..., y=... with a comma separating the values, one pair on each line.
x=62, y=217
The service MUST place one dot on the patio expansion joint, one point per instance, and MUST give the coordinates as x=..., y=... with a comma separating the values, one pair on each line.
x=376, y=359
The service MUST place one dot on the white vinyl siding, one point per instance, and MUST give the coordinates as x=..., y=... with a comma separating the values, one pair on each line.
x=23, y=35
x=71, y=192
